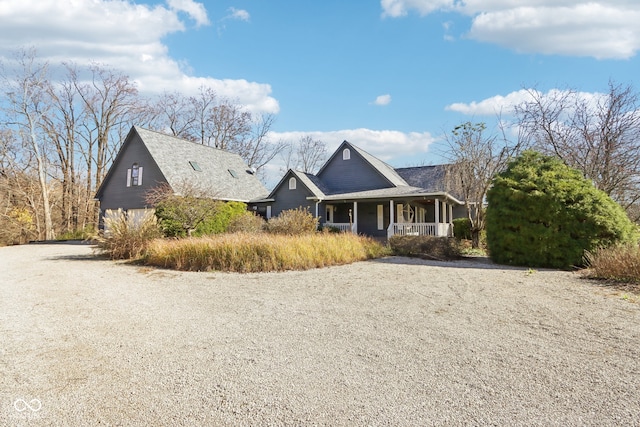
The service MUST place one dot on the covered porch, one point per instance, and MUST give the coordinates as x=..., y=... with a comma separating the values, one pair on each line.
x=384, y=219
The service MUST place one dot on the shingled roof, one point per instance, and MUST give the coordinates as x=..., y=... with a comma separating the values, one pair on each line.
x=431, y=178
x=222, y=174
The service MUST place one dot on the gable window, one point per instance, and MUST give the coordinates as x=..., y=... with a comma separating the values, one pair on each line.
x=346, y=154
x=134, y=175
x=292, y=183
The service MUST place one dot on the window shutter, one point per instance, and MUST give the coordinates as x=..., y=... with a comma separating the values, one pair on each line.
x=128, y=177
x=140, y=175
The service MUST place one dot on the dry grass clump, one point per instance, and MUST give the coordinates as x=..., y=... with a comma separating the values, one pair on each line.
x=293, y=222
x=619, y=263
x=430, y=247
x=126, y=236
x=244, y=253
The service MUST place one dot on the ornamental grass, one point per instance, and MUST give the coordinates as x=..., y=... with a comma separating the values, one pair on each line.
x=245, y=253
x=619, y=263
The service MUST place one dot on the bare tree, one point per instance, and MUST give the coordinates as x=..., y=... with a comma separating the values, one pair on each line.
x=475, y=160
x=109, y=99
x=257, y=149
x=173, y=112
x=26, y=90
x=307, y=155
x=598, y=135
x=217, y=122
x=62, y=130
x=311, y=153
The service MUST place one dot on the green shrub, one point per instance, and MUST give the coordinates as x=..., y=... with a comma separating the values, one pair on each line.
x=263, y=252
x=182, y=216
x=220, y=217
x=619, y=263
x=293, y=222
x=127, y=236
x=442, y=248
x=462, y=228
x=81, y=234
x=541, y=213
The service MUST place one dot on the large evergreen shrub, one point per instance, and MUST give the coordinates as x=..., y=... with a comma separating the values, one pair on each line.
x=542, y=213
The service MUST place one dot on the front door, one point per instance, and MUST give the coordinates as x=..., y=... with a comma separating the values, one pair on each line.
x=329, y=212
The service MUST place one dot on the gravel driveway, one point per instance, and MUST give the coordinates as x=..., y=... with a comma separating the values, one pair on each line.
x=86, y=341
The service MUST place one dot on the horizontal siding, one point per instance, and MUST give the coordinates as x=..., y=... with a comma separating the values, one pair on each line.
x=116, y=194
x=355, y=174
x=286, y=199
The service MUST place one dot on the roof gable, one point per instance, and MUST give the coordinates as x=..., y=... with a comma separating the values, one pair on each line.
x=357, y=170
x=310, y=181
x=221, y=174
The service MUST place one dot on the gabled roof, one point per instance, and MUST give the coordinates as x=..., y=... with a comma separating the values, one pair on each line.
x=221, y=173
x=387, y=171
x=312, y=182
x=427, y=177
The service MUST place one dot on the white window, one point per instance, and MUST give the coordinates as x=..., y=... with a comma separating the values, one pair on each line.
x=380, y=217
x=292, y=183
x=422, y=215
x=346, y=154
x=134, y=175
x=268, y=211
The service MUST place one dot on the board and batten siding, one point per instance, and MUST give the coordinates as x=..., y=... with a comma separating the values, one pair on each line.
x=344, y=175
x=116, y=194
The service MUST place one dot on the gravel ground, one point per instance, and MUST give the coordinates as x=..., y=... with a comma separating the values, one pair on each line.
x=86, y=341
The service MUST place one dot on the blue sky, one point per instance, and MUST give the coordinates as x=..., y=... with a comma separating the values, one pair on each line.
x=389, y=76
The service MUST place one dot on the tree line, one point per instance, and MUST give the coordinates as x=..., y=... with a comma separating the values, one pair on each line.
x=61, y=126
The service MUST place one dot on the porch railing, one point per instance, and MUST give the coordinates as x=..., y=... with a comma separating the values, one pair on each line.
x=420, y=229
x=342, y=226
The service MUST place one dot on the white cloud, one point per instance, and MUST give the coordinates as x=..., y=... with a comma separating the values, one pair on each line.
x=239, y=14
x=491, y=106
x=196, y=11
x=499, y=104
x=601, y=29
x=396, y=8
x=384, y=144
x=383, y=100
x=122, y=35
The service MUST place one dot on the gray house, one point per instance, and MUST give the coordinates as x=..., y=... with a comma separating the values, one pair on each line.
x=355, y=191
x=148, y=159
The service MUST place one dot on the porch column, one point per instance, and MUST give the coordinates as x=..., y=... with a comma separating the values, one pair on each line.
x=437, y=212
x=392, y=212
x=391, y=219
x=450, y=226
x=354, y=229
